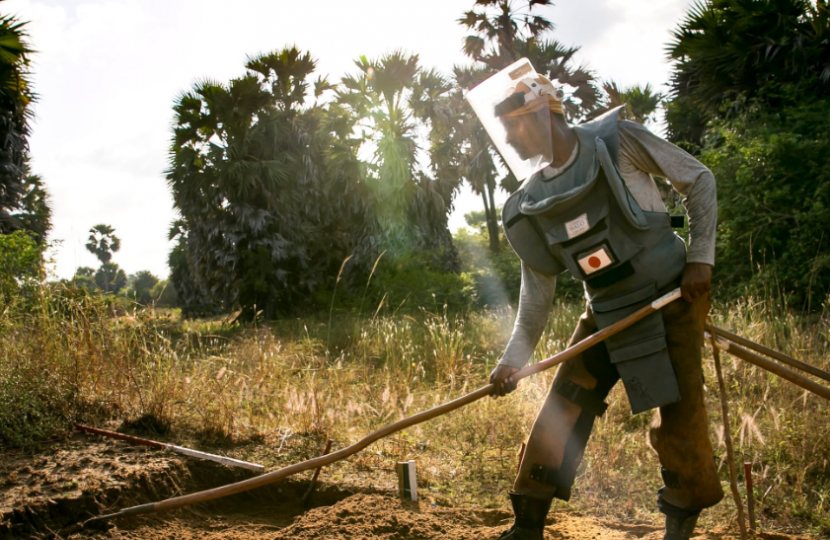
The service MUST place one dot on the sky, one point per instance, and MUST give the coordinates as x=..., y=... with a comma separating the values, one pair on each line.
x=108, y=71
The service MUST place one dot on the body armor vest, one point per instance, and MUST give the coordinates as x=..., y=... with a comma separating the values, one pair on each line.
x=585, y=221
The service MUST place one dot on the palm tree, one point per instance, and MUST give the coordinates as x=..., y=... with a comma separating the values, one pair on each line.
x=267, y=191
x=501, y=34
x=102, y=242
x=732, y=52
x=641, y=102
x=15, y=97
x=387, y=99
x=110, y=278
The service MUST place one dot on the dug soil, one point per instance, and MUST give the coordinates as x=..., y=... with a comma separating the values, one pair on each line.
x=48, y=492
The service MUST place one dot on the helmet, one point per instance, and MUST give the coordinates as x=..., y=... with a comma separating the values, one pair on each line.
x=514, y=106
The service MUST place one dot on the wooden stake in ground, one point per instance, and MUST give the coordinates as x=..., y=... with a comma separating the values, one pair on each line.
x=727, y=437
x=750, y=495
x=407, y=480
x=316, y=475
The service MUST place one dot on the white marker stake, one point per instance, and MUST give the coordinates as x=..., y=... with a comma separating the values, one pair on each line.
x=407, y=480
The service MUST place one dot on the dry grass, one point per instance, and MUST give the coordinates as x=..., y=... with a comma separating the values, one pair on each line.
x=274, y=393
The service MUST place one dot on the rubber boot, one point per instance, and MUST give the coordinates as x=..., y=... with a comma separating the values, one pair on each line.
x=530, y=515
x=680, y=528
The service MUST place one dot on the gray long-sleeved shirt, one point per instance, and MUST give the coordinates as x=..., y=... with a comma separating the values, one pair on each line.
x=641, y=155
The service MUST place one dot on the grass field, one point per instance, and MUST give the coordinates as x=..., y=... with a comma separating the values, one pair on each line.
x=274, y=393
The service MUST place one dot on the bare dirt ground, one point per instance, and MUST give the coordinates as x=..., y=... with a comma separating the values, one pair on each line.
x=48, y=491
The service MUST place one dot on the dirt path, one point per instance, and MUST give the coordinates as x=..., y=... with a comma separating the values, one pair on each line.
x=48, y=493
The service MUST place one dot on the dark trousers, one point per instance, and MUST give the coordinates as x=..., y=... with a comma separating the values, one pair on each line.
x=679, y=431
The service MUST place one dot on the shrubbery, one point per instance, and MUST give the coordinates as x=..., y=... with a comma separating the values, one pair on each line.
x=20, y=262
x=774, y=200
x=497, y=277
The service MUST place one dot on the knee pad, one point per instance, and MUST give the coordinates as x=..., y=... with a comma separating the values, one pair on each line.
x=592, y=405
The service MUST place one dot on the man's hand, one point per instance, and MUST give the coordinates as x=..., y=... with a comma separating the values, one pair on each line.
x=501, y=377
x=696, y=281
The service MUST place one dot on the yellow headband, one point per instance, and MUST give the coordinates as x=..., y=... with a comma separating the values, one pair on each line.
x=537, y=105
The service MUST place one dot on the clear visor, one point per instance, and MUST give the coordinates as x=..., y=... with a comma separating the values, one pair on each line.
x=513, y=106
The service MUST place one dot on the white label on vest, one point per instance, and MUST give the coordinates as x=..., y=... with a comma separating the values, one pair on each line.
x=577, y=226
x=595, y=261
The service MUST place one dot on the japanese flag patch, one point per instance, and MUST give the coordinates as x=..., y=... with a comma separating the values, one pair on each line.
x=595, y=260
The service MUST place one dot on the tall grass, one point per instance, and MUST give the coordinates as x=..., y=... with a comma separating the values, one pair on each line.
x=66, y=356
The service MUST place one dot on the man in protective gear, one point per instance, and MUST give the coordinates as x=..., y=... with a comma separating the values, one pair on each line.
x=589, y=205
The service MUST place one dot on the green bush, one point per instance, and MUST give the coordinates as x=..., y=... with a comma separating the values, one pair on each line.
x=21, y=262
x=417, y=280
x=164, y=294
x=497, y=277
x=773, y=173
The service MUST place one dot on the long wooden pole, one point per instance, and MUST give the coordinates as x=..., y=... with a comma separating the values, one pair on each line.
x=321, y=461
x=727, y=437
x=772, y=367
x=772, y=353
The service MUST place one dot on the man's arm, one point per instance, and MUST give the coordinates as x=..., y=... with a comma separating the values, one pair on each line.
x=695, y=183
x=534, y=308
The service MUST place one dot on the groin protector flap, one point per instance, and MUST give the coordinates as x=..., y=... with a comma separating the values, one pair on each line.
x=649, y=381
x=639, y=352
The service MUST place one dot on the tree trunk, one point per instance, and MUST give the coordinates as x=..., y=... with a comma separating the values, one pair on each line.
x=490, y=214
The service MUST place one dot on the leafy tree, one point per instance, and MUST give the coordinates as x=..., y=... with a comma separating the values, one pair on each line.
x=20, y=262
x=110, y=278
x=191, y=296
x=774, y=201
x=641, y=102
x=85, y=271
x=15, y=97
x=268, y=188
x=727, y=53
x=141, y=286
x=409, y=204
x=102, y=242
x=23, y=198
x=34, y=214
x=476, y=219
x=751, y=94
x=501, y=33
x=164, y=294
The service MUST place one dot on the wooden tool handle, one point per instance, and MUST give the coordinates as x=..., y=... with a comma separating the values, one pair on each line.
x=322, y=461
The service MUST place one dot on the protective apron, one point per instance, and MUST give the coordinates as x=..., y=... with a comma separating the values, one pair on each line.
x=585, y=221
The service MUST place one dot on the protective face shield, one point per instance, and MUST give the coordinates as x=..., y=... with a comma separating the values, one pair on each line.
x=514, y=106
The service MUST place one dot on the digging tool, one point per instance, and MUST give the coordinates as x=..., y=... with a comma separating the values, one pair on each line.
x=772, y=353
x=772, y=367
x=172, y=447
x=321, y=461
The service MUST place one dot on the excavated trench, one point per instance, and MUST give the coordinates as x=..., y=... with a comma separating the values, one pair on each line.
x=47, y=494
x=50, y=493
